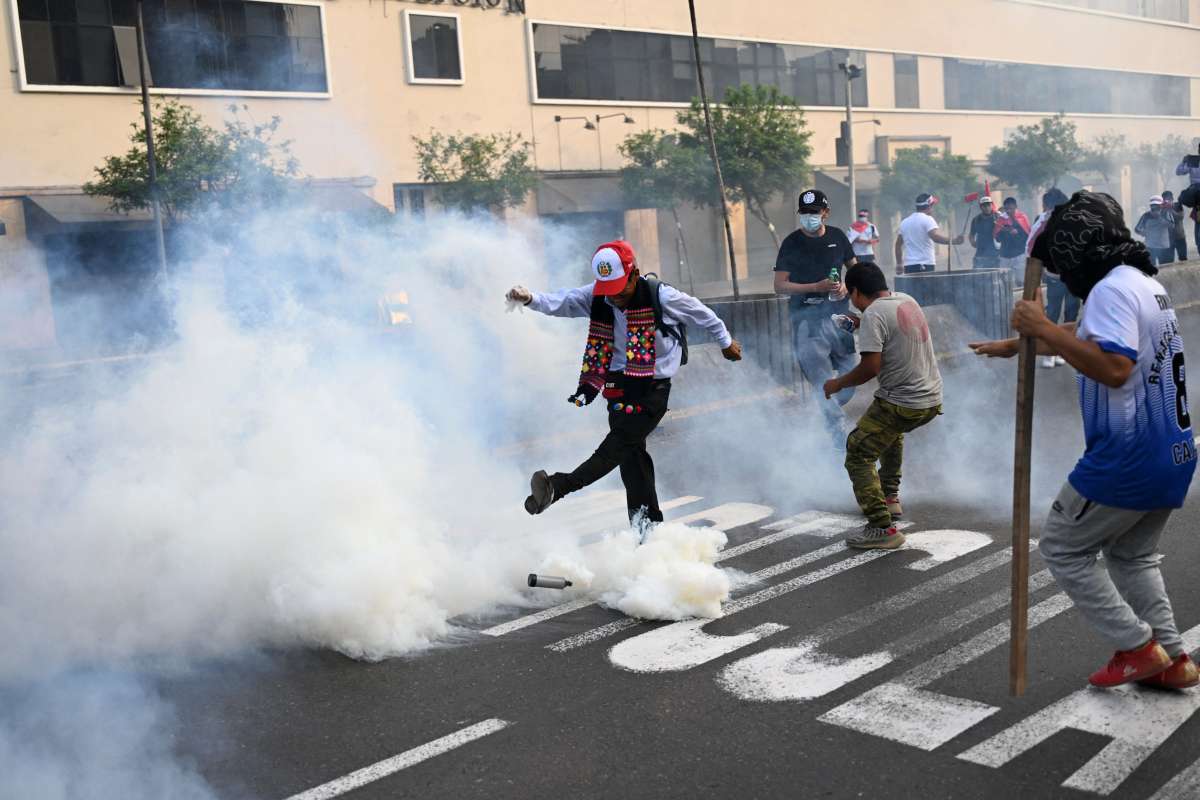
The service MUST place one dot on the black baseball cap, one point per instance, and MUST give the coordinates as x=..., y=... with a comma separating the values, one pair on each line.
x=813, y=200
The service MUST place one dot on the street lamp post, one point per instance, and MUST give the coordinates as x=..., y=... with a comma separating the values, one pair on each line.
x=558, y=120
x=852, y=72
x=599, y=150
x=160, y=239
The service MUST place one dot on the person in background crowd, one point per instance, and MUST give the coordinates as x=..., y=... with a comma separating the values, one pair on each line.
x=633, y=348
x=919, y=232
x=1190, y=197
x=898, y=350
x=1058, y=299
x=1012, y=232
x=987, y=252
x=1139, y=454
x=863, y=236
x=808, y=260
x=1176, y=209
x=1157, y=228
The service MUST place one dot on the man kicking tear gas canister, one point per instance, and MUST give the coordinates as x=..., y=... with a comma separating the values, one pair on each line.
x=631, y=353
x=1139, y=456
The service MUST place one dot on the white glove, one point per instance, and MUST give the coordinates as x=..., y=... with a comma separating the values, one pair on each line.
x=518, y=296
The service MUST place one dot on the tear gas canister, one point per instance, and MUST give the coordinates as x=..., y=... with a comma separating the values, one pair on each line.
x=547, y=581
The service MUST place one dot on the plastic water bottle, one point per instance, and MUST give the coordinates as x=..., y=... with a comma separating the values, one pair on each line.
x=836, y=277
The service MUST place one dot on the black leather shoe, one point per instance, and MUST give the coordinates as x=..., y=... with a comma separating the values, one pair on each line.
x=541, y=493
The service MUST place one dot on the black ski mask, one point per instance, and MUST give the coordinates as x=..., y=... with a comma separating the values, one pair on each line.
x=1084, y=239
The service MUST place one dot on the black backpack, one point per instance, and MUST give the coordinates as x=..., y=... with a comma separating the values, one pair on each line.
x=678, y=331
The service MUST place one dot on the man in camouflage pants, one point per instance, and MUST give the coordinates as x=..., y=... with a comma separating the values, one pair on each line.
x=895, y=347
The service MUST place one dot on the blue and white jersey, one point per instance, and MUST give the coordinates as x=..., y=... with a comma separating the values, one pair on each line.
x=1140, y=450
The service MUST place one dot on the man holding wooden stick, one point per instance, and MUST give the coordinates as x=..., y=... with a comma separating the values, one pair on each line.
x=1140, y=453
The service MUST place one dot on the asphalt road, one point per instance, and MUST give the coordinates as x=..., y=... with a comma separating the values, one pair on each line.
x=834, y=675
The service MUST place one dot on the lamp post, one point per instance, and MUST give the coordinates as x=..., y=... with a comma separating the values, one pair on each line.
x=155, y=205
x=599, y=150
x=558, y=120
x=852, y=72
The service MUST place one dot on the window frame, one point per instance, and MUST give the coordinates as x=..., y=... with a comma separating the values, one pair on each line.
x=409, y=64
x=25, y=86
x=535, y=99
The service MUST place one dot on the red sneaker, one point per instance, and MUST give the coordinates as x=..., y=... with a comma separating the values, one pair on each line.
x=1182, y=674
x=1132, y=665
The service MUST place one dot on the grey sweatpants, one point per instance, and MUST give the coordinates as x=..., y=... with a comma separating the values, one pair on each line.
x=1128, y=603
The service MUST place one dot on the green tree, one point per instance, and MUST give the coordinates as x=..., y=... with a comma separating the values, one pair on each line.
x=1036, y=156
x=657, y=175
x=200, y=168
x=914, y=171
x=1160, y=158
x=1106, y=154
x=762, y=141
x=476, y=171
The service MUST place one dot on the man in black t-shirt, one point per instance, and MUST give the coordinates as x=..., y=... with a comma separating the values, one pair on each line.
x=983, y=227
x=807, y=259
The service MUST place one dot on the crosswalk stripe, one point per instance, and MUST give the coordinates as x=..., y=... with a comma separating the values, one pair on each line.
x=800, y=671
x=901, y=710
x=1135, y=721
x=732, y=515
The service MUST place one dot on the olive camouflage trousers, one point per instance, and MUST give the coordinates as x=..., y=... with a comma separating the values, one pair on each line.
x=879, y=437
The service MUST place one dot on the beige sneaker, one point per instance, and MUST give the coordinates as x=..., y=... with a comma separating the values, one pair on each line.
x=869, y=538
x=893, y=506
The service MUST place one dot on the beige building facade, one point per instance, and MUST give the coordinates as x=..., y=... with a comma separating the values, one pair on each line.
x=355, y=80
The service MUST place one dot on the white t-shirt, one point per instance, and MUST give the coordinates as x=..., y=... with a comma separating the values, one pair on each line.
x=1140, y=454
x=860, y=240
x=915, y=230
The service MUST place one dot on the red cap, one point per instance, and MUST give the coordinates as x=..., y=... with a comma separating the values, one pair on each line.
x=611, y=265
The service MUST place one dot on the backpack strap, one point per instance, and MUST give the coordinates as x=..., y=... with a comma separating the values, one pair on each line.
x=676, y=332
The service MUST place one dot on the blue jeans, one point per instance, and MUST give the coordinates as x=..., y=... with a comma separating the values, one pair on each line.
x=822, y=351
x=1058, y=299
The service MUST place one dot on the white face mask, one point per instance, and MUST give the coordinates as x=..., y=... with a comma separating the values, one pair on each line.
x=811, y=223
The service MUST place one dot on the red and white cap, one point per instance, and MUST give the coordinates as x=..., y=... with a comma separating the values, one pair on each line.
x=611, y=267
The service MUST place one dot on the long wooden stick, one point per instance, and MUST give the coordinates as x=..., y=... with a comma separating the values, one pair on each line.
x=1026, y=356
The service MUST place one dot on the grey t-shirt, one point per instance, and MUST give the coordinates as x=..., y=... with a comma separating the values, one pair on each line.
x=896, y=327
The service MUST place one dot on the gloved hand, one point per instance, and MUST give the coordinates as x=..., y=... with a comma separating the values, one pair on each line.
x=584, y=395
x=519, y=294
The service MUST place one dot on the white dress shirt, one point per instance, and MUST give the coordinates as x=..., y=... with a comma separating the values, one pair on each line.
x=677, y=308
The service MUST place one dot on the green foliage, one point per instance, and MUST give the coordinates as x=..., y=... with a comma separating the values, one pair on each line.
x=1159, y=158
x=924, y=169
x=199, y=167
x=476, y=171
x=762, y=142
x=655, y=175
x=1106, y=154
x=1036, y=156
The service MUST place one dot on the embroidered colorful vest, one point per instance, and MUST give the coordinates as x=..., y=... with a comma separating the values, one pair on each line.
x=640, y=356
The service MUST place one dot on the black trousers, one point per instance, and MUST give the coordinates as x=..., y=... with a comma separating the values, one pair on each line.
x=625, y=448
x=910, y=269
x=1181, y=248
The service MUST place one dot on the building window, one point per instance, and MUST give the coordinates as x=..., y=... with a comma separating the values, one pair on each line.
x=1000, y=86
x=409, y=199
x=1169, y=10
x=434, y=48
x=908, y=92
x=244, y=45
x=576, y=63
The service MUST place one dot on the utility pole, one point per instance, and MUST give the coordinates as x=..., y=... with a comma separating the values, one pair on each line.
x=712, y=149
x=160, y=240
x=852, y=72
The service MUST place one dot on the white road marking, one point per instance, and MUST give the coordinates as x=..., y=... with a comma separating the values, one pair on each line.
x=390, y=766
x=902, y=711
x=803, y=672
x=1137, y=721
x=724, y=517
x=1184, y=786
x=824, y=527
x=684, y=645
x=600, y=524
